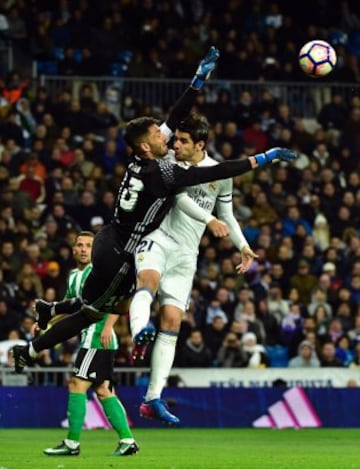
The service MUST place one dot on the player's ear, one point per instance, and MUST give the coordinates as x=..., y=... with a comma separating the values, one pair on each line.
x=201, y=145
x=144, y=147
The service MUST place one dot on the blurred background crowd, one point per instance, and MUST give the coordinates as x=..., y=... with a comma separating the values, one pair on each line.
x=62, y=158
x=164, y=38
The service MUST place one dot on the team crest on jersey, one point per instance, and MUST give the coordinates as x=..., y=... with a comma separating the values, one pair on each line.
x=212, y=185
x=140, y=258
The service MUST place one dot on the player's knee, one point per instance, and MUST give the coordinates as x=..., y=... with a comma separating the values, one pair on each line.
x=148, y=279
x=173, y=325
x=171, y=322
x=171, y=317
x=78, y=386
x=92, y=314
x=103, y=391
x=72, y=385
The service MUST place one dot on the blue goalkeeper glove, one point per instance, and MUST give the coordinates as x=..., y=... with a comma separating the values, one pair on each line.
x=274, y=155
x=206, y=66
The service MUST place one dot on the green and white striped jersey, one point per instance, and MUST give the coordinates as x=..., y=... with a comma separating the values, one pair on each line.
x=90, y=337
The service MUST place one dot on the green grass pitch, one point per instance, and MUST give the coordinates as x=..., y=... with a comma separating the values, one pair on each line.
x=189, y=449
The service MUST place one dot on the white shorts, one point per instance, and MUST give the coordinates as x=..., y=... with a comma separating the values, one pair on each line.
x=176, y=267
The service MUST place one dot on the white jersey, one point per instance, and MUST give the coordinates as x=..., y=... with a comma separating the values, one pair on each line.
x=184, y=229
x=187, y=231
x=172, y=249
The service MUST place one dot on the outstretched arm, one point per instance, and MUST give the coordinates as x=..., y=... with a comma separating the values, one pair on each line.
x=184, y=104
x=227, y=169
x=225, y=213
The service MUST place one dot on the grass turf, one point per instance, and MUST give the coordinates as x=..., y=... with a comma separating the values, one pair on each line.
x=189, y=449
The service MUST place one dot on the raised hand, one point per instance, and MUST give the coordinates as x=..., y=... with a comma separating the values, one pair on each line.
x=206, y=66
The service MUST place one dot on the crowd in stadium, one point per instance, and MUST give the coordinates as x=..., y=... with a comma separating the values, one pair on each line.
x=258, y=39
x=62, y=158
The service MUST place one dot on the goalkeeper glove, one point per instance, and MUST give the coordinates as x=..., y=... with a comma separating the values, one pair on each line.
x=275, y=154
x=206, y=66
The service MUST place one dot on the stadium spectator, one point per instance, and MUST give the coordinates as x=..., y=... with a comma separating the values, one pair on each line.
x=9, y=319
x=292, y=329
x=270, y=323
x=254, y=324
x=231, y=353
x=10, y=260
x=195, y=354
x=343, y=350
x=303, y=281
x=328, y=356
x=305, y=357
x=256, y=353
x=214, y=335
x=355, y=363
x=318, y=300
x=32, y=184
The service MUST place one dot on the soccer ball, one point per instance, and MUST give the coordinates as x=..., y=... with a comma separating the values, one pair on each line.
x=317, y=58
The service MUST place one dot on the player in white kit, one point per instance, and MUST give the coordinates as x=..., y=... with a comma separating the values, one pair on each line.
x=166, y=260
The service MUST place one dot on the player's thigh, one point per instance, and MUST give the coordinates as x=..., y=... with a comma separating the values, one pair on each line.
x=177, y=280
x=94, y=365
x=151, y=255
x=112, y=275
x=104, y=389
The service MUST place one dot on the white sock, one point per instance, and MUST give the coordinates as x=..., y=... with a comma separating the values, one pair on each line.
x=72, y=444
x=32, y=351
x=162, y=359
x=140, y=310
x=128, y=441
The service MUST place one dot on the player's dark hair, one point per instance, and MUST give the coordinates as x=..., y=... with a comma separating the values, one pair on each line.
x=136, y=129
x=197, y=126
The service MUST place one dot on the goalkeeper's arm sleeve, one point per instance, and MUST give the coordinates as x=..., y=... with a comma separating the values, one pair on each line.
x=181, y=108
x=195, y=175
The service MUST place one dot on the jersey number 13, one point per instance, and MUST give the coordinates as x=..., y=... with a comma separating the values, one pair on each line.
x=130, y=194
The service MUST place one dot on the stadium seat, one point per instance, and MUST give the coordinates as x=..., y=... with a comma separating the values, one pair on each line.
x=78, y=57
x=59, y=53
x=353, y=45
x=124, y=56
x=117, y=69
x=278, y=356
x=47, y=67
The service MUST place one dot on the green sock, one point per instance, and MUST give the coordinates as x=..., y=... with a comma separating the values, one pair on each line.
x=76, y=415
x=116, y=415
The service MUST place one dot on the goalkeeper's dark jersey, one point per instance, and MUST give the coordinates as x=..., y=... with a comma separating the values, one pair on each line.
x=148, y=189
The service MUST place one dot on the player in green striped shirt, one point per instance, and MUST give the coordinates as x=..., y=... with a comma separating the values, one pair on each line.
x=93, y=366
